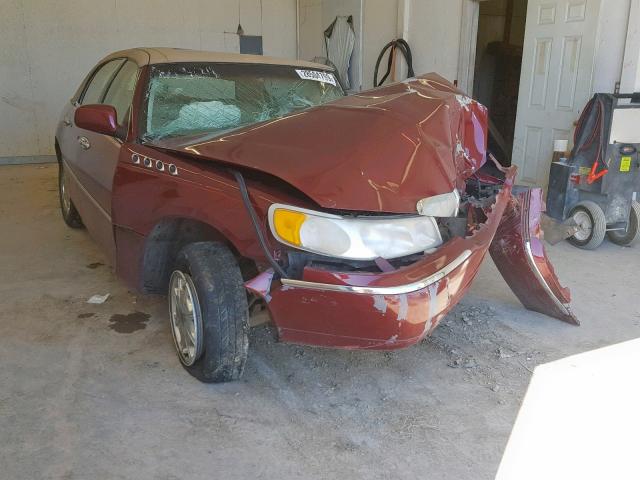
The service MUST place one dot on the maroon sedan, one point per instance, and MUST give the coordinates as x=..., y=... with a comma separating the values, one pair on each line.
x=227, y=180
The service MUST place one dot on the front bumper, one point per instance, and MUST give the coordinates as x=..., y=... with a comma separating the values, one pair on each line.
x=388, y=310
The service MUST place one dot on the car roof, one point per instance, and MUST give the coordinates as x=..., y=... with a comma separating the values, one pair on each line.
x=156, y=55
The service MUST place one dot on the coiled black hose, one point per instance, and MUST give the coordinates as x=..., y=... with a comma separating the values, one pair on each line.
x=256, y=224
x=401, y=45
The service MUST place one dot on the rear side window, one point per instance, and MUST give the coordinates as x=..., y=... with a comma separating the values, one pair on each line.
x=95, y=89
x=120, y=93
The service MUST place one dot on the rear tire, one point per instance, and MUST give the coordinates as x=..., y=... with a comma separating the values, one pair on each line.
x=214, y=348
x=69, y=213
x=592, y=225
x=620, y=237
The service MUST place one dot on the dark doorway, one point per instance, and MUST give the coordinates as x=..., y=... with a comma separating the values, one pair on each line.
x=501, y=27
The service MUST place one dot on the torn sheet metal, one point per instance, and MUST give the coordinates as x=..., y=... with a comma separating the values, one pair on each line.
x=519, y=254
x=261, y=285
x=374, y=321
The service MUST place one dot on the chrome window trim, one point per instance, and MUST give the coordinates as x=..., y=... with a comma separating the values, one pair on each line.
x=396, y=290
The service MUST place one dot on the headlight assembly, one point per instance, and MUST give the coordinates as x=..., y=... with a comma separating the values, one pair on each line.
x=444, y=205
x=353, y=238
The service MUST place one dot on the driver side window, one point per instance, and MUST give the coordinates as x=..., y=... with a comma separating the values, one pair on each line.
x=95, y=89
x=120, y=93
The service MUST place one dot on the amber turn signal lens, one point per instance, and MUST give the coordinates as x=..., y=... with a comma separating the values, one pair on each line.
x=287, y=224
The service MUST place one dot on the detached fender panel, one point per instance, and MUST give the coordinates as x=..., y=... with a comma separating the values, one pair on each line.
x=519, y=254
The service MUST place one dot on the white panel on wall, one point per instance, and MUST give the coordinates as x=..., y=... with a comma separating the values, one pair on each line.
x=310, y=29
x=611, y=45
x=251, y=17
x=17, y=109
x=380, y=19
x=279, y=28
x=434, y=36
x=47, y=49
x=217, y=15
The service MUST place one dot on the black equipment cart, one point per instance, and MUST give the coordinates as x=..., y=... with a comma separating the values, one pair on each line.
x=596, y=188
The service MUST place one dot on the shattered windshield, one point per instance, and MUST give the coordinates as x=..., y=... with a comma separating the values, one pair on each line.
x=191, y=99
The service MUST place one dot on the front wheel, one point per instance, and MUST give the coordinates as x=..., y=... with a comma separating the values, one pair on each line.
x=591, y=223
x=209, y=313
x=625, y=238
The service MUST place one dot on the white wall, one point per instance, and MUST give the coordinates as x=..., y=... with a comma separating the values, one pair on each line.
x=612, y=36
x=434, y=36
x=310, y=40
x=432, y=30
x=48, y=47
x=379, y=27
x=631, y=64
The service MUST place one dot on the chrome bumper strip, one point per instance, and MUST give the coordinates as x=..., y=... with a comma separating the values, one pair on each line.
x=397, y=290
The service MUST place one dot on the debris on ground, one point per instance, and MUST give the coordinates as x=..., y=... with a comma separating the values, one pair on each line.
x=99, y=299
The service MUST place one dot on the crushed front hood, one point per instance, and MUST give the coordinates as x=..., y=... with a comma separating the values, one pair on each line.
x=380, y=151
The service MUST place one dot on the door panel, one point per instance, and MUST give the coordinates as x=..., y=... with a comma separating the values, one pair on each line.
x=98, y=155
x=77, y=158
x=94, y=216
x=93, y=157
x=556, y=80
x=96, y=165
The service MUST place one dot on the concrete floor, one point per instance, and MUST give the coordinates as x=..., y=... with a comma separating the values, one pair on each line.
x=86, y=392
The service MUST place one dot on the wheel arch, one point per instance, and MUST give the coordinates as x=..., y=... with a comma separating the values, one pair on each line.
x=56, y=147
x=167, y=238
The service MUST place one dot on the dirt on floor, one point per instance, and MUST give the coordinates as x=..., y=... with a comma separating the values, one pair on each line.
x=96, y=390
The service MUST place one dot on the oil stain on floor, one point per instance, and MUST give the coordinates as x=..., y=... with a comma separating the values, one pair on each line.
x=129, y=323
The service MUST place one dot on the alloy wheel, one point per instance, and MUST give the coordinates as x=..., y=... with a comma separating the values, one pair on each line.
x=186, y=317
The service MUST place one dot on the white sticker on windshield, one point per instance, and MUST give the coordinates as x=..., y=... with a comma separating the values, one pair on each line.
x=317, y=75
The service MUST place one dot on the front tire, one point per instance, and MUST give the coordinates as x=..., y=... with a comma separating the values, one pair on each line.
x=209, y=312
x=69, y=213
x=620, y=237
x=592, y=225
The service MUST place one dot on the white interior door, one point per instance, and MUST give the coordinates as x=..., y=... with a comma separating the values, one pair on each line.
x=556, y=80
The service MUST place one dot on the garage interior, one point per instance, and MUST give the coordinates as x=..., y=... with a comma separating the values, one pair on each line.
x=96, y=391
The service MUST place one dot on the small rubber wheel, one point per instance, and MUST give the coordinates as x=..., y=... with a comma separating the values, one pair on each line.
x=592, y=225
x=69, y=213
x=209, y=313
x=625, y=238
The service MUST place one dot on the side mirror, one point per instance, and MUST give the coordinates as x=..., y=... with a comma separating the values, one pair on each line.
x=97, y=118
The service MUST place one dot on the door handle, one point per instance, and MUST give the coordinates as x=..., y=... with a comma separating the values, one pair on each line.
x=84, y=142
